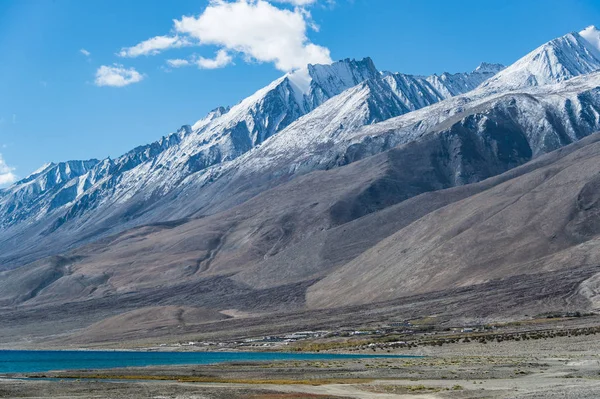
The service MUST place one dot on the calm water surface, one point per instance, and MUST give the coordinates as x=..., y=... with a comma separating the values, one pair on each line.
x=38, y=361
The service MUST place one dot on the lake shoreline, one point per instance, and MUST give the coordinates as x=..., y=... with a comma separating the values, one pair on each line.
x=563, y=367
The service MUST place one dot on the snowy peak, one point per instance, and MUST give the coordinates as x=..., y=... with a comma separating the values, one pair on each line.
x=212, y=115
x=331, y=80
x=553, y=62
x=226, y=134
x=52, y=174
x=291, y=96
x=486, y=67
x=347, y=72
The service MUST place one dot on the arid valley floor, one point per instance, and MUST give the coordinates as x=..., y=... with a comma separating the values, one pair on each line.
x=539, y=358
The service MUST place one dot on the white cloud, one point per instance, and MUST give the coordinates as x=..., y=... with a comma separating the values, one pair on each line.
x=154, y=46
x=178, y=63
x=256, y=29
x=85, y=52
x=117, y=76
x=299, y=3
x=6, y=173
x=221, y=60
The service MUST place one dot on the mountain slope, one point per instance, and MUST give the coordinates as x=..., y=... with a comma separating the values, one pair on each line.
x=544, y=220
x=277, y=249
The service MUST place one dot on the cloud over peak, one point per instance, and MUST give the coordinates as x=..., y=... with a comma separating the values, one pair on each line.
x=255, y=29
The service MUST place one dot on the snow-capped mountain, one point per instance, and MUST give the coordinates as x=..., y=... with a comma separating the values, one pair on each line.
x=226, y=133
x=223, y=134
x=318, y=118
x=548, y=117
x=506, y=129
x=560, y=59
x=56, y=185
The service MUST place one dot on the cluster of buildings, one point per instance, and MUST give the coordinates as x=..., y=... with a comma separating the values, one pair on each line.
x=399, y=327
x=285, y=339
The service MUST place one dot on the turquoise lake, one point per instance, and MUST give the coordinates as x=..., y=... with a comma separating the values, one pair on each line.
x=39, y=361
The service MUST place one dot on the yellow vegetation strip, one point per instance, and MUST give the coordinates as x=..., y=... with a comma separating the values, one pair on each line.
x=201, y=379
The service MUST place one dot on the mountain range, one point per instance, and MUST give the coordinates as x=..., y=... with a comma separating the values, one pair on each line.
x=192, y=155
x=336, y=185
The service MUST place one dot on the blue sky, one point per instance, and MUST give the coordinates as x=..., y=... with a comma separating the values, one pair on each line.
x=59, y=102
